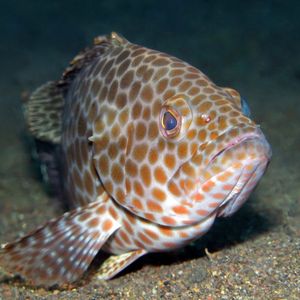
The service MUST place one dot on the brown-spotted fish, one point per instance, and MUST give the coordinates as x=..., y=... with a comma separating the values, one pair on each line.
x=149, y=152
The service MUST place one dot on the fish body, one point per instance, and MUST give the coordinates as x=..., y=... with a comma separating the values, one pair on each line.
x=150, y=151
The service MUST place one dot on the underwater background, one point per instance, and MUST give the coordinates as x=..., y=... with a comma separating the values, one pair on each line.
x=252, y=46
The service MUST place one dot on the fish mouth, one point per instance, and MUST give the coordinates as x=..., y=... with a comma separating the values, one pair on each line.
x=236, y=169
x=256, y=135
x=245, y=184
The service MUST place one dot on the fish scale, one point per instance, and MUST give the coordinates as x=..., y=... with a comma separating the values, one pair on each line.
x=149, y=150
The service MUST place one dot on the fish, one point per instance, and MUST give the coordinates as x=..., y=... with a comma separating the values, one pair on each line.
x=147, y=152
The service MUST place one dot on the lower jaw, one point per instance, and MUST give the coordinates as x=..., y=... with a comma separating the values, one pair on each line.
x=241, y=192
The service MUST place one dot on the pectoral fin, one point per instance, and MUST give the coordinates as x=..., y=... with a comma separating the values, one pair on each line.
x=60, y=251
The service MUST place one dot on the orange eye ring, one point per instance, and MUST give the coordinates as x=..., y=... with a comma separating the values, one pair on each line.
x=170, y=122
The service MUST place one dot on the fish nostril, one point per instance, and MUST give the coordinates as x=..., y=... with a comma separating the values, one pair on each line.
x=206, y=118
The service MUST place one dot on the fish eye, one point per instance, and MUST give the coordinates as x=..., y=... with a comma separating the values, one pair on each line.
x=170, y=122
x=245, y=107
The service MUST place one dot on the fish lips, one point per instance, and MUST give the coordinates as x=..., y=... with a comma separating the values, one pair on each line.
x=256, y=136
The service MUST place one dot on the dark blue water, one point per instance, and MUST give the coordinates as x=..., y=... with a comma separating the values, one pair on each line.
x=235, y=42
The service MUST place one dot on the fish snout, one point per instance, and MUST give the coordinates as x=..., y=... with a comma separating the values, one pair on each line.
x=236, y=147
x=258, y=155
x=232, y=171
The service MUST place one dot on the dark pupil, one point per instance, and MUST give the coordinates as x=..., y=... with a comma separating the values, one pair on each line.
x=170, y=121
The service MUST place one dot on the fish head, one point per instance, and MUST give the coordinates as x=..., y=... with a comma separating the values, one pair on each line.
x=185, y=149
x=231, y=156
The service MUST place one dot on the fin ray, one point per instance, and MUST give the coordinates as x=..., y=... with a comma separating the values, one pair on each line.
x=116, y=263
x=43, y=112
x=60, y=251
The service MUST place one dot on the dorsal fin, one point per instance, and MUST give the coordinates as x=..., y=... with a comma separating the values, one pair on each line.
x=83, y=58
x=43, y=110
